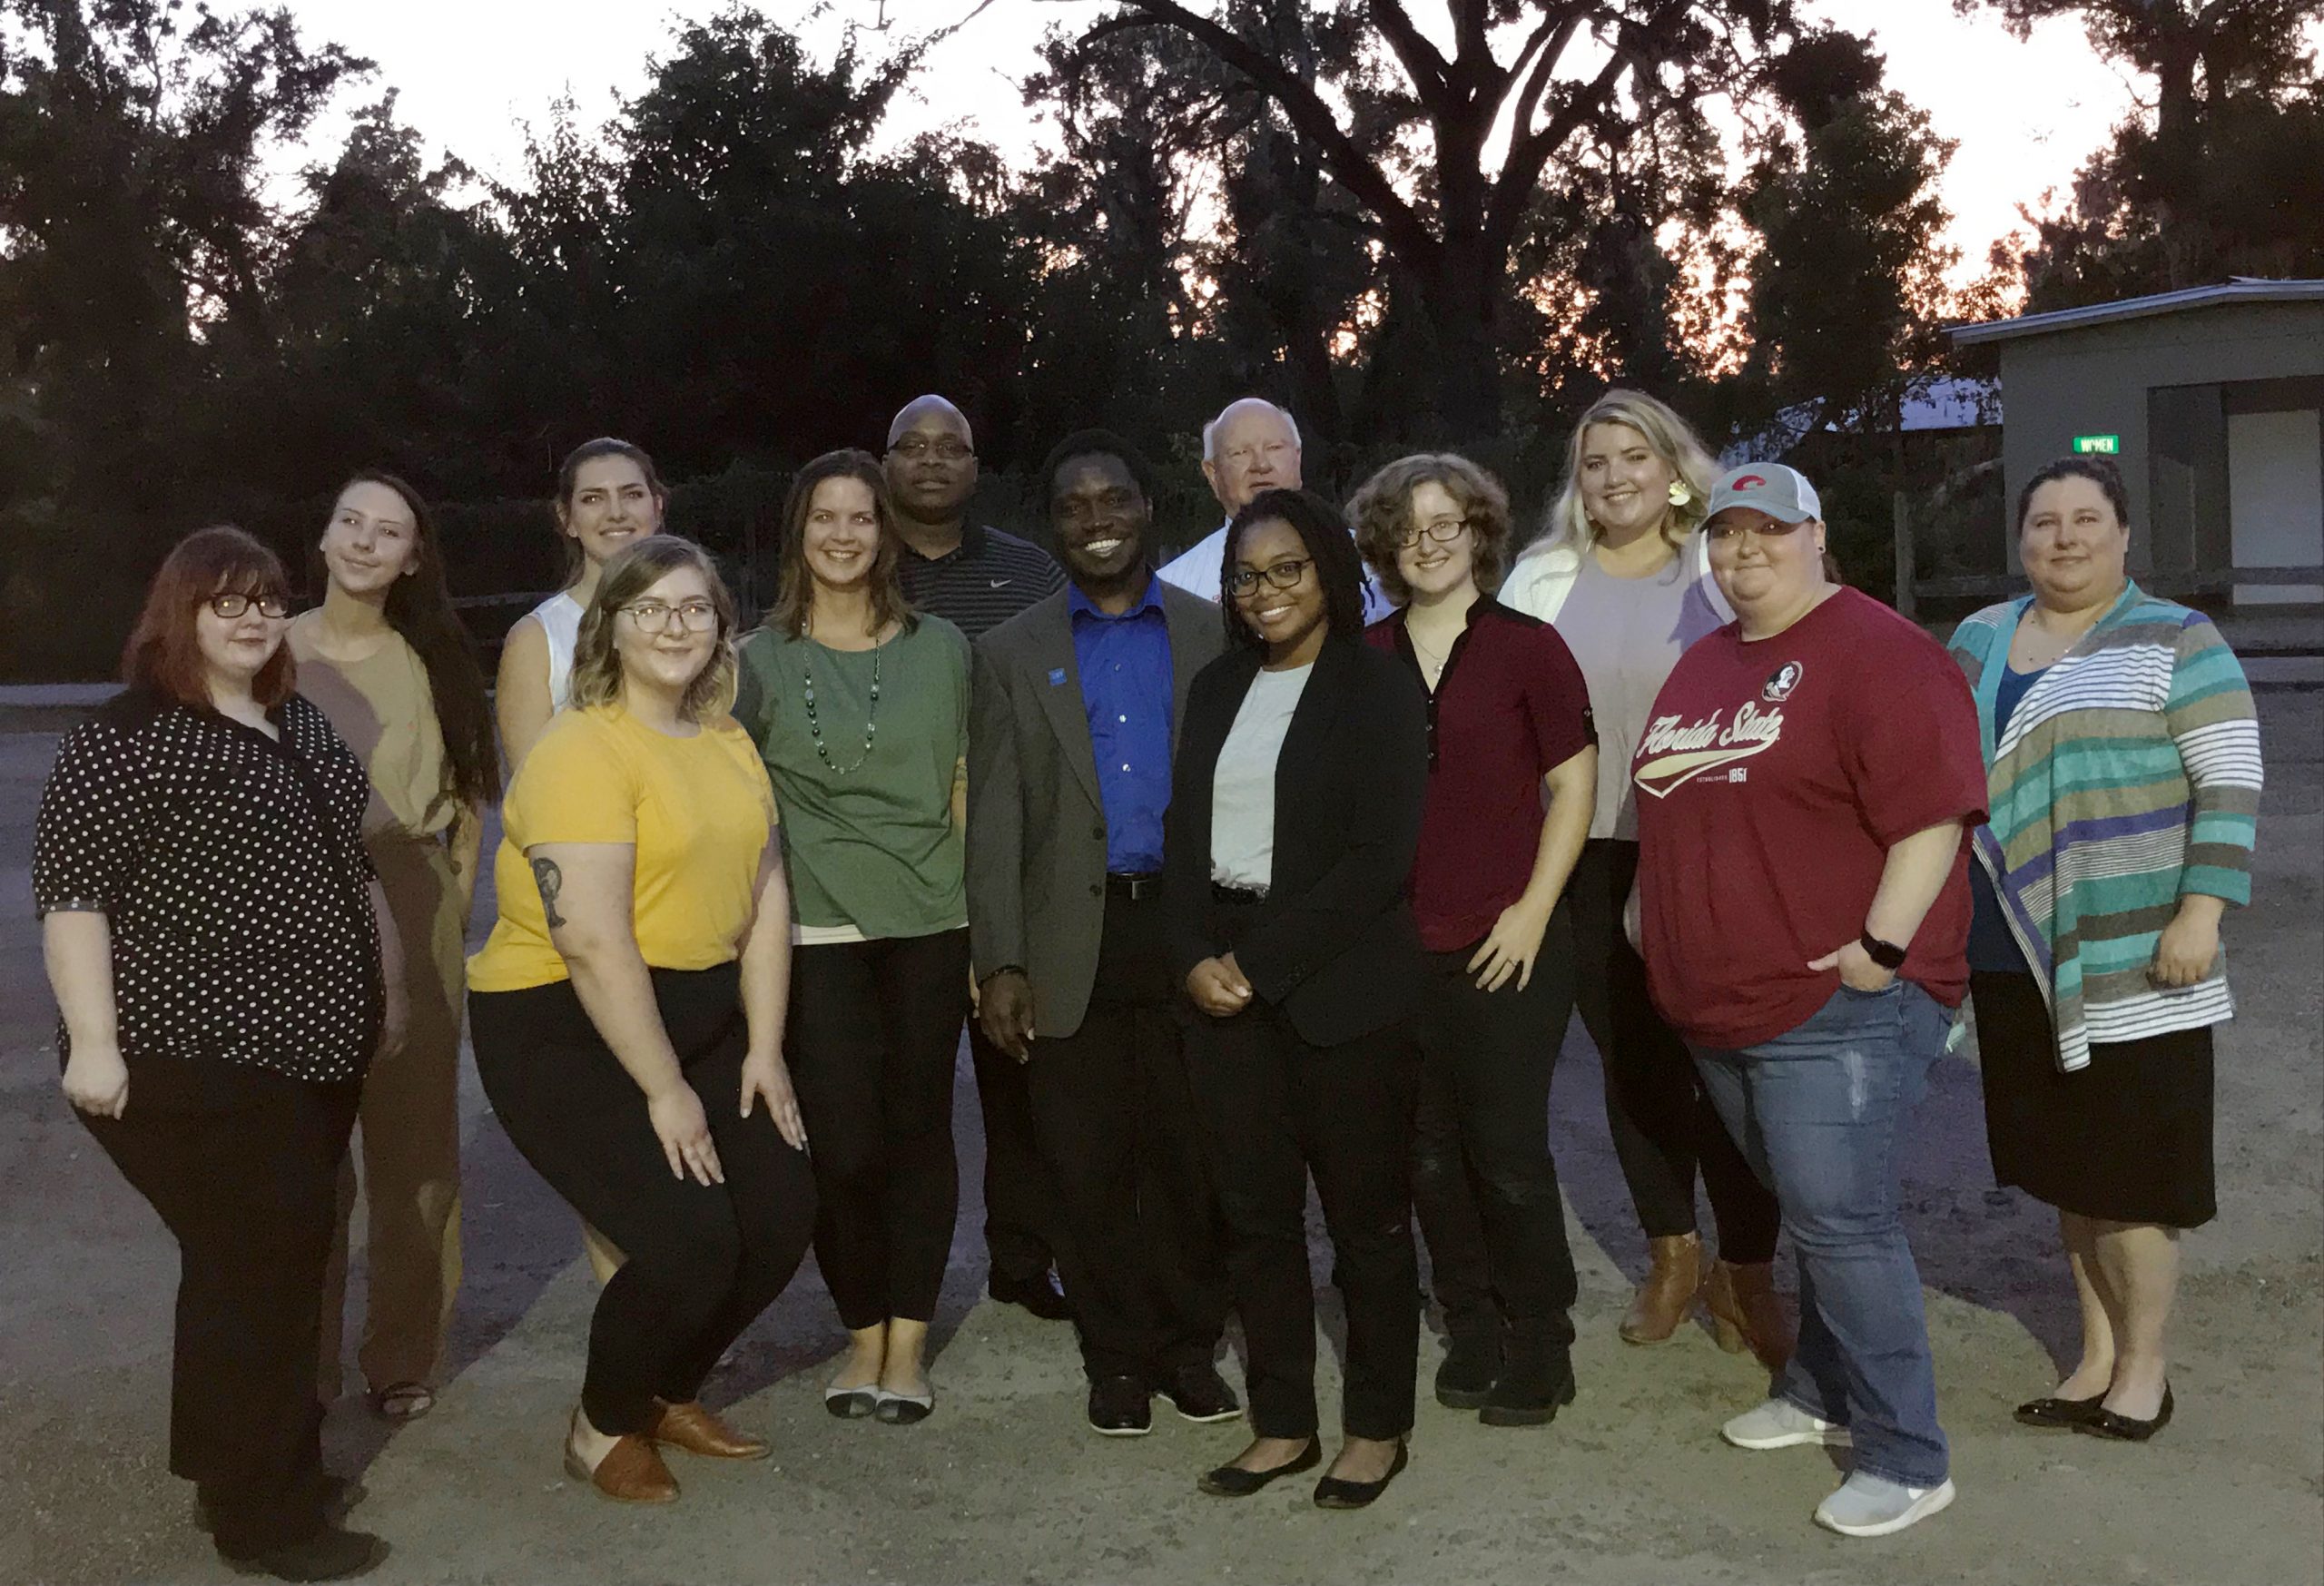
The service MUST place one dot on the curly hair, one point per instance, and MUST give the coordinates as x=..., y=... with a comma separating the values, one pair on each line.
x=794, y=592
x=629, y=572
x=1323, y=533
x=1672, y=439
x=1382, y=510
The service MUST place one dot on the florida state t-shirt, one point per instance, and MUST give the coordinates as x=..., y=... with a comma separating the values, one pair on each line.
x=1772, y=779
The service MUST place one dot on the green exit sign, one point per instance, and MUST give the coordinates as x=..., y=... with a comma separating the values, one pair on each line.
x=2108, y=445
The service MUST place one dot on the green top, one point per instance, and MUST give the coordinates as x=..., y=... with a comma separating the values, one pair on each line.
x=867, y=835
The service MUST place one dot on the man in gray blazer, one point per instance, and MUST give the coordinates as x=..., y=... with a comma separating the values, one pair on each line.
x=1073, y=729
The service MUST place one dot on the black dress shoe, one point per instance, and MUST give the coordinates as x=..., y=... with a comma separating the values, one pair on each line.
x=2106, y=1422
x=1235, y=1482
x=2059, y=1414
x=1466, y=1374
x=1038, y=1294
x=1530, y=1392
x=1119, y=1407
x=1332, y=1492
x=1199, y=1393
x=330, y=1554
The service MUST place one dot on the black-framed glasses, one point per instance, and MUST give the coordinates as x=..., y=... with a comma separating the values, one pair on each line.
x=1283, y=575
x=1443, y=531
x=652, y=617
x=949, y=449
x=233, y=603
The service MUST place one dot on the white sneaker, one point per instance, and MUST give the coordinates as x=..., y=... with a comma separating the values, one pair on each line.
x=1870, y=1505
x=1780, y=1423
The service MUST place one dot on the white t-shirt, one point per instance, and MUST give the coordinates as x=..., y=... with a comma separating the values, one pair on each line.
x=1197, y=572
x=1242, y=786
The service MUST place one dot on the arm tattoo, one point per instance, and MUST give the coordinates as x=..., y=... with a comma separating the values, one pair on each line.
x=550, y=880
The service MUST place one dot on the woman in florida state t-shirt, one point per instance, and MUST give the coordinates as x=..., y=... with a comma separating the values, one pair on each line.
x=1774, y=777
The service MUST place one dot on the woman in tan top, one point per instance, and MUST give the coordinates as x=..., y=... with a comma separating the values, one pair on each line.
x=386, y=658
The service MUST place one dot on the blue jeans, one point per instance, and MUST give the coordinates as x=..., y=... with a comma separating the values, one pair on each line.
x=1818, y=1112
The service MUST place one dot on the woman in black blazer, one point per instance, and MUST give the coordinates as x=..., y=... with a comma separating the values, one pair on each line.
x=1295, y=813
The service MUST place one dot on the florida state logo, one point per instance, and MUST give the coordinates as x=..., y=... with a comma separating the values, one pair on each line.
x=1786, y=679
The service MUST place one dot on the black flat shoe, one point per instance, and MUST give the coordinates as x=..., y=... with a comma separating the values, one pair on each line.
x=1465, y=1378
x=2059, y=1415
x=1235, y=1482
x=2106, y=1422
x=1332, y=1492
x=330, y=1554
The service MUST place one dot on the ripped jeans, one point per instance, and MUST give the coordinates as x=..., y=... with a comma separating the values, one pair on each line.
x=1819, y=1112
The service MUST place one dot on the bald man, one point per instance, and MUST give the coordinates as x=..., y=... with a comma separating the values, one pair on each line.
x=972, y=576
x=976, y=578
x=1252, y=446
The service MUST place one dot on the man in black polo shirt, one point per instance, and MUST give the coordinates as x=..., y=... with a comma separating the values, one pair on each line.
x=976, y=578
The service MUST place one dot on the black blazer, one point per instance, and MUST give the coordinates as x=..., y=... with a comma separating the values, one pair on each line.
x=1333, y=945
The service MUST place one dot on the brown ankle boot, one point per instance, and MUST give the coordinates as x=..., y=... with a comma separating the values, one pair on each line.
x=1744, y=1307
x=1666, y=1296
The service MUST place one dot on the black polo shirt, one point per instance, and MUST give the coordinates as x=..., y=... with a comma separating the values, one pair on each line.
x=982, y=582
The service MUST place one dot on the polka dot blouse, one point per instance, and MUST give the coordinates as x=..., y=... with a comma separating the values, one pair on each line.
x=232, y=871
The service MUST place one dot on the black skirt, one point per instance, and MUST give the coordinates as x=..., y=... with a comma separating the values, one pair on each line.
x=2127, y=1140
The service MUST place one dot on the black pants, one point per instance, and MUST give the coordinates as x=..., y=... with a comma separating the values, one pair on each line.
x=875, y=1028
x=1483, y=1179
x=1116, y=1120
x=1276, y=1109
x=1662, y=1120
x=1022, y=1214
x=702, y=1261
x=242, y=1165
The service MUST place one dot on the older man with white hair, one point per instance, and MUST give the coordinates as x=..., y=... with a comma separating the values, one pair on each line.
x=1251, y=447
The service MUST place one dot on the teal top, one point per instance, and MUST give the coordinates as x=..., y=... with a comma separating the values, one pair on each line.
x=868, y=834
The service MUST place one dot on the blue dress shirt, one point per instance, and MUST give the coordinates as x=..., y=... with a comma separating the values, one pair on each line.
x=1125, y=664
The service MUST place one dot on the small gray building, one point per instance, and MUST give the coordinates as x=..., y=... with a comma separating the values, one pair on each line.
x=2212, y=402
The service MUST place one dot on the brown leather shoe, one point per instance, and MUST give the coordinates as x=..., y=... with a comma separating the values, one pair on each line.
x=1746, y=1313
x=631, y=1473
x=696, y=1430
x=1668, y=1294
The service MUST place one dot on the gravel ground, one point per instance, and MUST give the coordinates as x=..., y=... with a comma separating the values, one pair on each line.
x=1006, y=1483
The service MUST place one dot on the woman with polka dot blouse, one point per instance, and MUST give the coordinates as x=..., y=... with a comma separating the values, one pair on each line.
x=628, y=1010
x=215, y=937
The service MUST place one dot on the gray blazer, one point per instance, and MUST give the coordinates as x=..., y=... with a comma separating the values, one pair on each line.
x=1037, y=825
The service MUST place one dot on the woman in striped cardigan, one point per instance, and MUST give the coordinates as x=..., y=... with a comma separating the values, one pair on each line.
x=2123, y=759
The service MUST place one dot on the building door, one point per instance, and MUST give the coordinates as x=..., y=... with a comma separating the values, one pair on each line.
x=2276, y=499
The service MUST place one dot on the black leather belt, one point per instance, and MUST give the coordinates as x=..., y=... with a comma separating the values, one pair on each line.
x=1136, y=888
x=1221, y=892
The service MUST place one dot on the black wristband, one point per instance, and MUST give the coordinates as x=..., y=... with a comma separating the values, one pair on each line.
x=1887, y=954
x=989, y=975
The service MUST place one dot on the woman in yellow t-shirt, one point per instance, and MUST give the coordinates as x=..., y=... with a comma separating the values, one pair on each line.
x=627, y=1011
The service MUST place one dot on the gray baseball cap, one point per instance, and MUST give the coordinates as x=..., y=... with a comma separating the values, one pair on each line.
x=1782, y=492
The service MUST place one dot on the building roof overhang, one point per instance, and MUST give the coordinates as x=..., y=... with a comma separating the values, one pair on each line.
x=2241, y=289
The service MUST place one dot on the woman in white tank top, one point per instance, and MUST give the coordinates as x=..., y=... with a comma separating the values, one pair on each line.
x=607, y=494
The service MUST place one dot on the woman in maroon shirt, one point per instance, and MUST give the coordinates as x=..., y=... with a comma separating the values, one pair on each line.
x=1508, y=717
x=1803, y=910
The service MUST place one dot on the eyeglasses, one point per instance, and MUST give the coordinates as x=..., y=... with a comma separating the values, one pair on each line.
x=1443, y=531
x=1283, y=575
x=1733, y=529
x=234, y=603
x=914, y=449
x=694, y=616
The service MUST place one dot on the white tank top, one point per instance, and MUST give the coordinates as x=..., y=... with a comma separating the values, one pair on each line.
x=560, y=620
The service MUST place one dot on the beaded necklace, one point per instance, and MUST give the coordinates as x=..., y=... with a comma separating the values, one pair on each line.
x=870, y=724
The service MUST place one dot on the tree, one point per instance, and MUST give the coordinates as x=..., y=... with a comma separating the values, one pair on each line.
x=1583, y=76
x=2201, y=183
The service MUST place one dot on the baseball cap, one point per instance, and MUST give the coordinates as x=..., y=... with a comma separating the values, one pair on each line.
x=1782, y=492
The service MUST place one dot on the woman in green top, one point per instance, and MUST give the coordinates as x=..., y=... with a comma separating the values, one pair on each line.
x=861, y=708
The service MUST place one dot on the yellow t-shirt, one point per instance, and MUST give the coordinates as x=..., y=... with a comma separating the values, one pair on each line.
x=699, y=810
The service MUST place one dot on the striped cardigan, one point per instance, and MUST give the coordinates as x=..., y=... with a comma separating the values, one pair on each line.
x=2128, y=777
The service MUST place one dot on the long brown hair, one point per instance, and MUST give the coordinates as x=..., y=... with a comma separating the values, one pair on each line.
x=794, y=596
x=164, y=657
x=419, y=607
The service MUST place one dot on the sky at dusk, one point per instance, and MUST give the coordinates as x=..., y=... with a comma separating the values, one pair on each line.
x=470, y=74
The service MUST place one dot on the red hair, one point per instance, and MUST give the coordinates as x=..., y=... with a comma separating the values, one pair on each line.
x=165, y=655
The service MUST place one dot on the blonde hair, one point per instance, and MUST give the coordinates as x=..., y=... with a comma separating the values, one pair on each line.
x=629, y=573
x=1382, y=510
x=1672, y=439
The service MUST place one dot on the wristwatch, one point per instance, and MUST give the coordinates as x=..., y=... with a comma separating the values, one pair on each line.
x=1887, y=954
